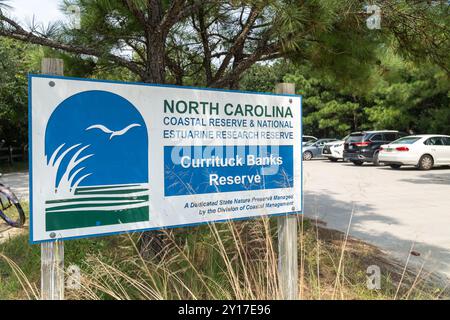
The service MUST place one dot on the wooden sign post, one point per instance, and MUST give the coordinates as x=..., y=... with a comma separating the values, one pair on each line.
x=287, y=238
x=52, y=253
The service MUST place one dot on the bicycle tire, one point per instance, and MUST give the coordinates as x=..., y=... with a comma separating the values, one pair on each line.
x=5, y=192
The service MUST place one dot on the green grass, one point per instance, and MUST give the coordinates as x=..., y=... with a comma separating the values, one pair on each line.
x=27, y=257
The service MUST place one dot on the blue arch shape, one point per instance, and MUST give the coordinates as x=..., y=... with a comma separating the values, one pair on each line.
x=114, y=160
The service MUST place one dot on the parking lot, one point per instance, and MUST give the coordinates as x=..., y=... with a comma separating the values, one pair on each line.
x=393, y=209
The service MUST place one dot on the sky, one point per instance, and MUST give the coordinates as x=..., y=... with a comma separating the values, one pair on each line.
x=45, y=11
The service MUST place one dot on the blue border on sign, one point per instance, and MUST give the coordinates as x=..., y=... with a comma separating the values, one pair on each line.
x=301, y=155
x=30, y=157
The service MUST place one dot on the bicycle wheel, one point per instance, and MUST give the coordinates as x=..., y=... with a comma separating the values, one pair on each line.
x=10, y=209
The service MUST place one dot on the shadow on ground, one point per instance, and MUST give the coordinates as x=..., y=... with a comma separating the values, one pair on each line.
x=441, y=178
x=7, y=232
x=325, y=207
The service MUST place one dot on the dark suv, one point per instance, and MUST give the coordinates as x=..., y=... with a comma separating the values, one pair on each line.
x=364, y=146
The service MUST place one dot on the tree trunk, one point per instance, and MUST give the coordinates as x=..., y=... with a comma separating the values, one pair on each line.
x=155, y=71
x=152, y=243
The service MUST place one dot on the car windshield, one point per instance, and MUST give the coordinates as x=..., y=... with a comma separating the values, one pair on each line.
x=355, y=138
x=406, y=140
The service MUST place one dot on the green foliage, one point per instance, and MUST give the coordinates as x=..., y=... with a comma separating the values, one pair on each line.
x=412, y=98
x=16, y=61
x=419, y=30
x=261, y=78
x=340, y=45
x=328, y=112
x=397, y=95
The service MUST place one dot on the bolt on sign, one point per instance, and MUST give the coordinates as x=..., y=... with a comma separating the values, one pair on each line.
x=109, y=157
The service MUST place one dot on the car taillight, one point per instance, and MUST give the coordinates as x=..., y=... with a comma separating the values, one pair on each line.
x=381, y=148
x=362, y=144
x=402, y=149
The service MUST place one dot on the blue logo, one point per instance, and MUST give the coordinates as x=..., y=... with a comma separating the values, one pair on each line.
x=96, y=146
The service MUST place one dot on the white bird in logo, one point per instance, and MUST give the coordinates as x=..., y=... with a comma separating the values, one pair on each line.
x=113, y=133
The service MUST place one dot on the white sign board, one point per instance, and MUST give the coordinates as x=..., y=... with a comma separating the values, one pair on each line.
x=109, y=157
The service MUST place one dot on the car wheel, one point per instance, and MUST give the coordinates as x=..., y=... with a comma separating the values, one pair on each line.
x=426, y=162
x=376, y=161
x=307, y=155
x=395, y=166
x=358, y=163
x=333, y=159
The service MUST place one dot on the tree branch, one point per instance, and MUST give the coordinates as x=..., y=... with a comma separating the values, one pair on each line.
x=202, y=29
x=238, y=43
x=18, y=33
x=177, y=12
x=136, y=12
x=261, y=53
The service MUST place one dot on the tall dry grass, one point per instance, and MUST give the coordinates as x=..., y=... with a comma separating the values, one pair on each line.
x=238, y=260
x=227, y=261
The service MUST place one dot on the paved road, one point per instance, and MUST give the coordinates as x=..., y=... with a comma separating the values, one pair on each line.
x=393, y=209
x=18, y=182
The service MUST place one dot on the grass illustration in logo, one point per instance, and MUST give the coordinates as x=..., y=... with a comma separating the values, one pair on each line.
x=98, y=206
x=87, y=171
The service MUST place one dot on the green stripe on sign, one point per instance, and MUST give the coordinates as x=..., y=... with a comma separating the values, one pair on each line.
x=84, y=219
x=91, y=205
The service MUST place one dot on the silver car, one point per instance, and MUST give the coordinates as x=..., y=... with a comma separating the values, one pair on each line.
x=314, y=150
x=307, y=140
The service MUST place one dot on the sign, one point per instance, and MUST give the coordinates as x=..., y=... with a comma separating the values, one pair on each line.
x=109, y=157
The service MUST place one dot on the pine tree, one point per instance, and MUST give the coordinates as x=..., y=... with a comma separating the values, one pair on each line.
x=212, y=42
